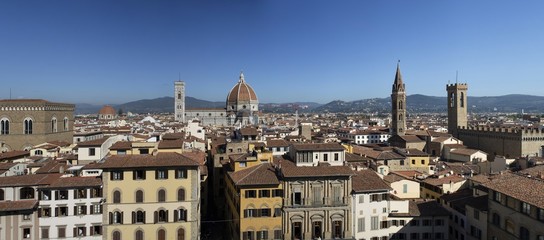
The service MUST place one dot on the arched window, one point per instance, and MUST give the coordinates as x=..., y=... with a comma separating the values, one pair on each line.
x=181, y=194
x=138, y=217
x=452, y=100
x=181, y=234
x=180, y=215
x=161, y=235
x=462, y=99
x=28, y=126
x=116, y=235
x=161, y=216
x=116, y=197
x=4, y=126
x=116, y=217
x=400, y=117
x=1, y=194
x=400, y=105
x=139, y=196
x=162, y=195
x=38, y=152
x=26, y=193
x=54, y=125
x=139, y=234
x=65, y=124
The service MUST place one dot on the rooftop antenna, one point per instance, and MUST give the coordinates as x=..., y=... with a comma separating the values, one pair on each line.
x=179, y=76
x=456, y=76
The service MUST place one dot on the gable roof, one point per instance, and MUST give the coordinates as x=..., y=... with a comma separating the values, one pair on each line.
x=262, y=174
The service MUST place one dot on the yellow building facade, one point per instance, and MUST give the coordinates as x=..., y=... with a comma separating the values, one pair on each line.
x=151, y=197
x=254, y=198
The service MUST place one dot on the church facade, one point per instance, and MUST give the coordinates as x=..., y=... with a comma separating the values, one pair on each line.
x=241, y=108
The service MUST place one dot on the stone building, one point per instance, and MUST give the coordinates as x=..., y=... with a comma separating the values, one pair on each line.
x=242, y=107
x=28, y=122
x=398, y=102
x=509, y=142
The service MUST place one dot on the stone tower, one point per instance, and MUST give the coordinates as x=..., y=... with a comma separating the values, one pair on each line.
x=398, y=102
x=457, y=107
x=179, y=101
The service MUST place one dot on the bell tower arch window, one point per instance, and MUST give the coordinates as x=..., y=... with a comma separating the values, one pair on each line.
x=27, y=126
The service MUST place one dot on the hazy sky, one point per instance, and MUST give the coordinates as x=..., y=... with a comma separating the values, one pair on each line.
x=118, y=51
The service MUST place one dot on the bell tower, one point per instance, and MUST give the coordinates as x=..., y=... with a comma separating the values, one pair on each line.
x=398, y=102
x=179, y=101
x=457, y=107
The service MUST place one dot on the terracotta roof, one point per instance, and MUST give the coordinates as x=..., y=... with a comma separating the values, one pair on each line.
x=239, y=157
x=289, y=169
x=465, y=151
x=262, y=174
x=60, y=143
x=368, y=181
x=13, y=155
x=394, y=177
x=520, y=186
x=445, y=180
x=173, y=136
x=277, y=143
x=93, y=143
x=350, y=157
x=410, y=138
x=121, y=145
x=146, y=161
x=29, y=180
x=249, y=131
x=196, y=155
x=318, y=147
x=171, y=144
x=7, y=206
x=6, y=165
x=75, y=182
x=53, y=166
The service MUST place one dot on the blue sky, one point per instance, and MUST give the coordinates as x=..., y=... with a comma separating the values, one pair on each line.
x=118, y=51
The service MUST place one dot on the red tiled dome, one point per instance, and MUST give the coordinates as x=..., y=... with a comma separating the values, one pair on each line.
x=241, y=92
x=107, y=110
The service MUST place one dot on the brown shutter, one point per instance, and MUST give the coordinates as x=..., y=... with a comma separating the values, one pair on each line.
x=133, y=217
x=156, y=174
x=166, y=174
x=176, y=213
x=57, y=195
x=144, y=217
x=40, y=212
x=156, y=217
x=143, y=175
x=166, y=216
x=75, y=211
x=92, y=209
x=134, y=175
x=91, y=232
x=122, y=175
x=122, y=217
x=75, y=232
x=111, y=218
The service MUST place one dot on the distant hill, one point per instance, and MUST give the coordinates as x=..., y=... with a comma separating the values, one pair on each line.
x=157, y=105
x=416, y=103
x=421, y=103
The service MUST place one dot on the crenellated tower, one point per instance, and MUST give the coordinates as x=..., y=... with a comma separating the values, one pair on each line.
x=398, y=102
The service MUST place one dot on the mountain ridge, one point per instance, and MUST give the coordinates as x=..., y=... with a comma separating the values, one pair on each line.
x=416, y=103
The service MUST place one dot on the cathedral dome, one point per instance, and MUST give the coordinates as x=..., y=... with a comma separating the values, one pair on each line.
x=106, y=113
x=241, y=93
x=107, y=110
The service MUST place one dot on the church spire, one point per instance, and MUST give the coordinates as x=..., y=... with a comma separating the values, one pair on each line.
x=398, y=85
